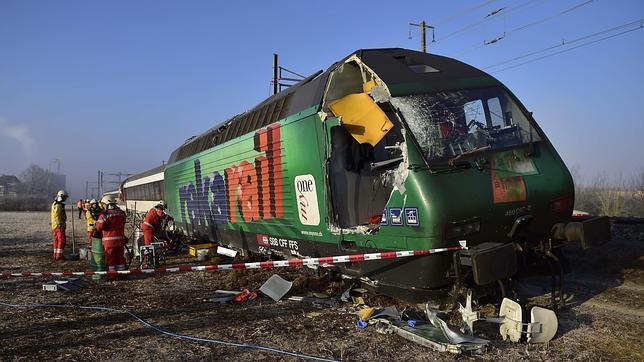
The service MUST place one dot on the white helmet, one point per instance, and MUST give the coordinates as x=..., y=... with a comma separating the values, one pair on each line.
x=93, y=201
x=162, y=204
x=108, y=199
x=62, y=193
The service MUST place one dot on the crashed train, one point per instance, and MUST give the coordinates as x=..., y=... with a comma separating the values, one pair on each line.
x=388, y=149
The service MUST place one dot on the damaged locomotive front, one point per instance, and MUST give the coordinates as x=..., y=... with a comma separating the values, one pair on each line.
x=389, y=149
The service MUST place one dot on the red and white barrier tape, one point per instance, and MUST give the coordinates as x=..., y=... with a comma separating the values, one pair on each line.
x=256, y=265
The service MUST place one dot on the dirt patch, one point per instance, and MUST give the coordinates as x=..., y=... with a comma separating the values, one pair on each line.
x=589, y=328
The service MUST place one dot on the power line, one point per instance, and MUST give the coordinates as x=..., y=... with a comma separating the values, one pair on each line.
x=566, y=50
x=543, y=20
x=522, y=27
x=569, y=49
x=489, y=16
x=566, y=43
x=464, y=12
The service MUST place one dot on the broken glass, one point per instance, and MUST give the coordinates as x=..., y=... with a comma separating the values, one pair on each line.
x=451, y=123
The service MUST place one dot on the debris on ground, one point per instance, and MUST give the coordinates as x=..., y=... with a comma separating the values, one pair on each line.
x=64, y=285
x=602, y=320
x=276, y=287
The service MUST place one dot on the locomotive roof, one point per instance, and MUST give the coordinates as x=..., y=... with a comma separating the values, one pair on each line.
x=404, y=72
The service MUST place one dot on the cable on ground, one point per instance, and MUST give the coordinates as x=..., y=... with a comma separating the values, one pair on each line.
x=166, y=332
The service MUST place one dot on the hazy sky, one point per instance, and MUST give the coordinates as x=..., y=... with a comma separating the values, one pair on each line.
x=117, y=85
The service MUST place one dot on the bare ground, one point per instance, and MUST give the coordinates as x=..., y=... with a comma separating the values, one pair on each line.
x=603, y=319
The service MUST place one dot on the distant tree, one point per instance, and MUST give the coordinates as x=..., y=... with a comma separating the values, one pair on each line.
x=38, y=181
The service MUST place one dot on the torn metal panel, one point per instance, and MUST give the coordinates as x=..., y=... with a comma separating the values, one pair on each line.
x=452, y=335
x=427, y=335
x=397, y=176
x=362, y=117
x=352, y=92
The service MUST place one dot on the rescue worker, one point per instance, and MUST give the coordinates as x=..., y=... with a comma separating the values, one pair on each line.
x=94, y=210
x=79, y=206
x=59, y=224
x=86, y=206
x=152, y=222
x=112, y=224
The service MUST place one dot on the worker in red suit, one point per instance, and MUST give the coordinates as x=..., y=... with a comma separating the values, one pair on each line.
x=112, y=224
x=153, y=219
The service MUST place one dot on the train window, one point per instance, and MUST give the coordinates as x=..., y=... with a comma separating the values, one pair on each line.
x=496, y=112
x=450, y=123
x=474, y=112
x=157, y=190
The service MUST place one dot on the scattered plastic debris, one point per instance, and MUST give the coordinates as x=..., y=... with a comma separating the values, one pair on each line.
x=276, y=287
x=434, y=332
x=358, y=300
x=221, y=297
x=346, y=295
x=362, y=324
x=227, y=252
x=64, y=285
x=312, y=314
x=366, y=313
x=541, y=329
x=313, y=300
x=245, y=295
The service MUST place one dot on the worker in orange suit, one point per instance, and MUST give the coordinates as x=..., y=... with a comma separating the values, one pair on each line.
x=153, y=219
x=59, y=224
x=112, y=224
x=79, y=207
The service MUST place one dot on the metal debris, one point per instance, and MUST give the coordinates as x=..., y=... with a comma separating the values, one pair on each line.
x=541, y=329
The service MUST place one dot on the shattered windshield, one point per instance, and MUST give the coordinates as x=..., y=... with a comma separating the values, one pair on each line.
x=451, y=123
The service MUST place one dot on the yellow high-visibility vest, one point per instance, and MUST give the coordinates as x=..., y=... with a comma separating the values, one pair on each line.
x=58, y=215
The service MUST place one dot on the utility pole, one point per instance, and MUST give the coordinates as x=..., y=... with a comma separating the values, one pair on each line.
x=278, y=79
x=423, y=35
x=91, y=187
x=99, y=182
x=275, y=72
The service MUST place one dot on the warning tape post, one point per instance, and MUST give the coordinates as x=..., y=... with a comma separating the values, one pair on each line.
x=354, y=258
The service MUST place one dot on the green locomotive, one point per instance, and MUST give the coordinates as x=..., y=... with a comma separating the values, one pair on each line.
x=388, y=149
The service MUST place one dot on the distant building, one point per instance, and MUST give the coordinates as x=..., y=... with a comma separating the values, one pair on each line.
x=10, y=187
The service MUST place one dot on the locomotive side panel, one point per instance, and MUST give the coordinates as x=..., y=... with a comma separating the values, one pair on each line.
x=260, y=191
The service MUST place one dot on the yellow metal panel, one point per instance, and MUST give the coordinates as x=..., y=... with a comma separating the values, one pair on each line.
x=362, y=117
x=366, y=87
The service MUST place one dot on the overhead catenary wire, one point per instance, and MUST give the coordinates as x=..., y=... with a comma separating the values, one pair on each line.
x=463, y=13
x=168, y=333
x=543, y=20
x=492, y=15
x=523, y=27
x=569, y=49
x=566, y=43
